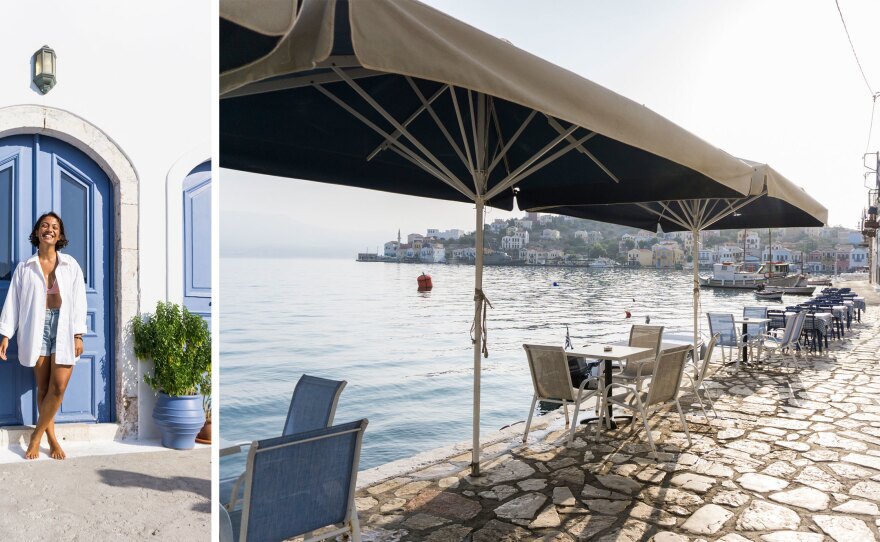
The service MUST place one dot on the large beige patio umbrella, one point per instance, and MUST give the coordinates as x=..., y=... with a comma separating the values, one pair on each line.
x=394, y=95
x=772, y=202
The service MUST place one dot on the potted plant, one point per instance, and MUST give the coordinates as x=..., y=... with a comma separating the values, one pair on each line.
x=179, y=344
x=204, y=436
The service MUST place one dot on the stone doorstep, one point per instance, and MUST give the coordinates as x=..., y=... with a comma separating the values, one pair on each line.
x=70, y=432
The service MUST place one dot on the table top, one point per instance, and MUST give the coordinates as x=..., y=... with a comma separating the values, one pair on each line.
x=617, y=352
x=751, y=320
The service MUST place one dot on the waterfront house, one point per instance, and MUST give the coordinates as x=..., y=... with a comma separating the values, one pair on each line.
x=512, y=242
x=113, y=132
x=778, y=253
x=843, y=254
x=667, y=254
x=445, y=235
x=727, y=253
x=640, y=257
x=752, y=240
x=858, y=258
x=706, y=257
x=413, y=237
x=432, y=253
x=391, y=248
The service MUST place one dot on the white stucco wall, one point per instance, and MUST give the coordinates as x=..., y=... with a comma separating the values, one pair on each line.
x=141, y=74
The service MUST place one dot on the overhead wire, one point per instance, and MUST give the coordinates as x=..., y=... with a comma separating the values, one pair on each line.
x=874, y=95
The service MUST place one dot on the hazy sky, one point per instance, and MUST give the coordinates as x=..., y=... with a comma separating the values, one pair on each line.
x=773, y=82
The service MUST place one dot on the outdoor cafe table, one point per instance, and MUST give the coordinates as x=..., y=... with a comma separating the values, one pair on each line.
x=745, y=322
x=616, y=353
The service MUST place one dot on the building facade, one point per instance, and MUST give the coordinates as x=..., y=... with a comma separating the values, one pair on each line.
x=128, y=169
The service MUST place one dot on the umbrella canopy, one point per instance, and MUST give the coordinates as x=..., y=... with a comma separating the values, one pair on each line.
x=394, y=95
x=772, y=202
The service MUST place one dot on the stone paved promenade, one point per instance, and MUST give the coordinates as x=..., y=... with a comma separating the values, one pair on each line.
x=792, y=457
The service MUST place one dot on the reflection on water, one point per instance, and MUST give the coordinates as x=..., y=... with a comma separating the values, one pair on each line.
x=407, y=355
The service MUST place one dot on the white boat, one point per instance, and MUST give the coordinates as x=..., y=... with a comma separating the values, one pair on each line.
x=688, y=265
x=732, y=275
x=601, y=263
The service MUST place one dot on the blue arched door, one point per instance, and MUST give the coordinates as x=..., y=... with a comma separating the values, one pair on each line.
x=197, y=241
x=39, y=174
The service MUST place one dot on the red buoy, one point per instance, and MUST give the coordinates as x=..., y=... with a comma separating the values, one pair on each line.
x=425, y=283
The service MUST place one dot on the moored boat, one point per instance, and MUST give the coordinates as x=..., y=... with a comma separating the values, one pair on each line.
x=769, y=294
x=732, y=275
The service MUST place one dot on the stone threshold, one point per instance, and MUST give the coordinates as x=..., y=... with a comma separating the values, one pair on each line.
x=13, y=435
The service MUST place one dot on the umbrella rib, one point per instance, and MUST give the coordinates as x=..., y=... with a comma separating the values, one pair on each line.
x=500, y=146
x=574, y=144
x=454, y=183
x=426, y=105
x=732, y=208
x=673, y=218
x=514, y=177
x=464, y=139
x=558, y=127
x=511, y=141
x=478, y=154
x=387, y=116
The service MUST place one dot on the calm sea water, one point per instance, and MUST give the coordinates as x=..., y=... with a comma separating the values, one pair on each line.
x=407, y=355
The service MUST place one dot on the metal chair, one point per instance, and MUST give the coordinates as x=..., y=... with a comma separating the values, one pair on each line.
x=785, y=343
x=312, y=406
x=640, y=367
x=296, y=484
x=754, y=332
x=663, y=389
x=722, y=324
x=551, y=379
x=699, y=376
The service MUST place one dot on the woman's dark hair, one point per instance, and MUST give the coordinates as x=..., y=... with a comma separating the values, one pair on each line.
x=35, y=235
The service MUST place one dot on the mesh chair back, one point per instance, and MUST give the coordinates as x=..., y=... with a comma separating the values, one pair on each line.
x=313, y=404
x=668, y=371
x=549, y=368
x=299, y=483
x=722, y=324
x=755, y=312
x=645, y=337
x=797, y=327
x=793, y=328
x=701, y=371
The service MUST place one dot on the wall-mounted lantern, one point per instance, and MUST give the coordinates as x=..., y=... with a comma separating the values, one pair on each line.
x=44, y=69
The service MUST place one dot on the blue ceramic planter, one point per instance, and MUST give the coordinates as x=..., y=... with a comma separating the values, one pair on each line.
x=179, y=420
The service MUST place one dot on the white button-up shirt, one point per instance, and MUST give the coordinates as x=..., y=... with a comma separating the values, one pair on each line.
x=25, y=309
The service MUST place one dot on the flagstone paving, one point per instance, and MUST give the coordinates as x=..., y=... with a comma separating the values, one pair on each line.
x=793, y=457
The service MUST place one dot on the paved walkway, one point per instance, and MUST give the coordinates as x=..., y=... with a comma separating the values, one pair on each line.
x=139, y=496
x=794, y=457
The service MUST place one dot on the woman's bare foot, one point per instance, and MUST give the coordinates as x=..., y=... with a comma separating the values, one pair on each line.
x=33, y=451
x=55, y=451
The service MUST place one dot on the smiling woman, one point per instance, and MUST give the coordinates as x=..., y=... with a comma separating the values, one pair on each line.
x=46, y=305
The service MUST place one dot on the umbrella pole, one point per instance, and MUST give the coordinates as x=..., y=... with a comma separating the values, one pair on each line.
x=695, y=257
x=478, y=336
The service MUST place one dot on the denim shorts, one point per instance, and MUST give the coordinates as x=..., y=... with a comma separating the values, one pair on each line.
x=50, y=332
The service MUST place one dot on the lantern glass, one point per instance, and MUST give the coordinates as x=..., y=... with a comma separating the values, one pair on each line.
x=38, y=65
x=48, y=65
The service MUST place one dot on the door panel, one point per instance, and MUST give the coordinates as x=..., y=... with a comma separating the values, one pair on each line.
x=65, y=180
x=197, y=241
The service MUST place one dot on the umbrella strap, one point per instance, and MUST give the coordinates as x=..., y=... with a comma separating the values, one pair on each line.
x=479, y=296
